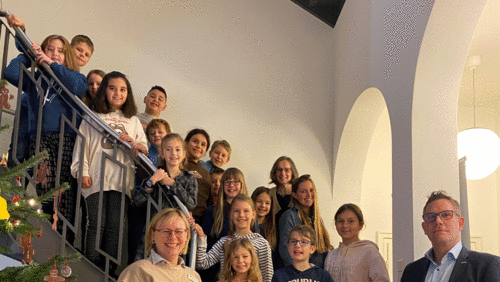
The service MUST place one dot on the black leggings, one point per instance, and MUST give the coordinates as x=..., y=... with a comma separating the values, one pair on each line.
x=110, y=225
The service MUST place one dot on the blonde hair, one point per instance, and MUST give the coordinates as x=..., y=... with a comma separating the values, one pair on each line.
x=240, y=198
x=164, y=140
x=228, y=273
x=322, y=236
x=230, y=173
x=269, y=224
x=157, y=123
x=163, y=216
x=224, y=145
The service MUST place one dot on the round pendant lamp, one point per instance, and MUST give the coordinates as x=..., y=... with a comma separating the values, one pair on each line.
x=480, y=146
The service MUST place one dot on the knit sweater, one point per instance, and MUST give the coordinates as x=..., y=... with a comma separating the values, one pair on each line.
x=204, y=184
x=94, y=147
x=205, y=260
x=357, y=262
x=292, y=274
x=155, y=269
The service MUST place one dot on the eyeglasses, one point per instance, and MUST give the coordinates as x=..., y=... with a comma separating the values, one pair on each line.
x=303, y=243
x=229, y=182
x=444, y=215
x=165, y=233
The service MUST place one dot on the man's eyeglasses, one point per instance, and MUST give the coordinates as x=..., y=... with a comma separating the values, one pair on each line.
x=303, y=243
x=444, y=215
x=165, y=233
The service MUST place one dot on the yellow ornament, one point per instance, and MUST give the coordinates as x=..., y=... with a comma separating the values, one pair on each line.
x=4, y=213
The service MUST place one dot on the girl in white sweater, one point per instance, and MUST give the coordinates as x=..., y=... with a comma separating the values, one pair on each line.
x=114, y=104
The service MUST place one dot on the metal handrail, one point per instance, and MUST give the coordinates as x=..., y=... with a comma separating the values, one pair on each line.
x=107, y=130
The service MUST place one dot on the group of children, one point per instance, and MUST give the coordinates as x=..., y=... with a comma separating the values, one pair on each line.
x=275, y=235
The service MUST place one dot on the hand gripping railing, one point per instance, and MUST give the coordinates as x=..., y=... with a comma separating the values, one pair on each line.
x=111, y=134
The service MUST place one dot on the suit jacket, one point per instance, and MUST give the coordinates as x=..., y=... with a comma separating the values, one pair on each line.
x=470, y=266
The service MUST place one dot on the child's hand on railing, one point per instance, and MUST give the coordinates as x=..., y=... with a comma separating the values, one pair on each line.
x=158, y=176
x=199, y=230
x=126, y=138
x=136, y=148
x=86, y=182
x=14, y=20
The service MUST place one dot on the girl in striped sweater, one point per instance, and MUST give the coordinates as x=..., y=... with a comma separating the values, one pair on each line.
x=242, y=216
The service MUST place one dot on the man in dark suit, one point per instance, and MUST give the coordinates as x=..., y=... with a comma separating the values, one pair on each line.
x=448, y=260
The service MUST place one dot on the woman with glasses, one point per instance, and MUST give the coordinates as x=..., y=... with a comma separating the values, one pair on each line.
x=283, y=173
x=305, y=210
x=167, y=237
x=354, y=259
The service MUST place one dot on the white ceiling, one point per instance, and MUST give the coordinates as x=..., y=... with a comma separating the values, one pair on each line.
x=486, y=43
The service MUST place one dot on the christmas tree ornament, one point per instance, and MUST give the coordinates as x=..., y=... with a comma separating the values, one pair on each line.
x=4, y=95
x=42, y=172
x=4, y=213
x=15, y=199
x=66, y=270
x=26, y=248
x=54, y=275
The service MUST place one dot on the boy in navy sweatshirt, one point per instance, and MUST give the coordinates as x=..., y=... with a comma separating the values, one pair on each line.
x=301, y=245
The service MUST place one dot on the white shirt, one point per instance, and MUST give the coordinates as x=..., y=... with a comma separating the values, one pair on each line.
x=442, y=272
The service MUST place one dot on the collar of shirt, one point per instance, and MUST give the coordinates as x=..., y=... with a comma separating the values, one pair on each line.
x=156, y=258
x=444, y=270
x=153, y=154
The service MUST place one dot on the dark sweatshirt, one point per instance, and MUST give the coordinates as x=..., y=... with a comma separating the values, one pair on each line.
x=291, y=274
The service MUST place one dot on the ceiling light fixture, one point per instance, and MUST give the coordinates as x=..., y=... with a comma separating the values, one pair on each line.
x=480, y=146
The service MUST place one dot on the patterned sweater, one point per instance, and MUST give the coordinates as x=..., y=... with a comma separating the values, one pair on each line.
x=205, y=260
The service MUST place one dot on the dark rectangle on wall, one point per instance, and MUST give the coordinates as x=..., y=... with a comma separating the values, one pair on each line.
x=326, y=10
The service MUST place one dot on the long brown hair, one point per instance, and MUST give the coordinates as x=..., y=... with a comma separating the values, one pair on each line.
x=220, y=208
x=100, y=103
x=87, y=99
x=322, y=236
x=69, y=55
x=269, y=224
x=228, y=273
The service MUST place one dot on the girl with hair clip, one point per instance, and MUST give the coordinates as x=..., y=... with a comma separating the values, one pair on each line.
x=354, y=259
x=283, y=173
x=242, y=219
x=94, y=79
x=241, y=263
x=115, y=105
x=58, y=54
x=305, y=210
x=266, y=224
x=197, y=144
x=216, y=220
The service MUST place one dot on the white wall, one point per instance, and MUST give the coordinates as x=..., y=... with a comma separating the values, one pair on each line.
x=257, y=73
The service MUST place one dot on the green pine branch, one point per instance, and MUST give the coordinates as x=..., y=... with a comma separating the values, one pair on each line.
x=36, y=271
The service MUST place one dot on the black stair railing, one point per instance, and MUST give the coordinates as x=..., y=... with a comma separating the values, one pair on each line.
x=79, y=111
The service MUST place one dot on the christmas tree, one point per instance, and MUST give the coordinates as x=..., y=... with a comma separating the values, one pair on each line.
x=16, y=206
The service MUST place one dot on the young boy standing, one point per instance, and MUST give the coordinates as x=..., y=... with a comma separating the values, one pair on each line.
x=220, y=154
x=215, y=175
x=83, y=48
x=301, y=245
x=156, y=102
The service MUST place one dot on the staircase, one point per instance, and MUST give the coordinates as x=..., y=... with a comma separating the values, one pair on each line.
x=52, y=242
